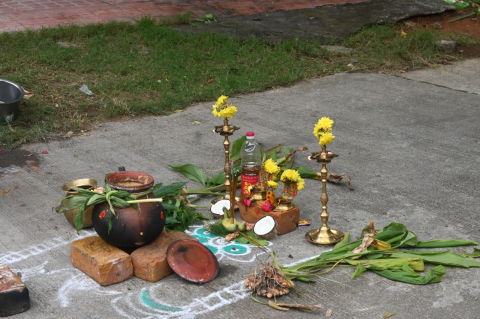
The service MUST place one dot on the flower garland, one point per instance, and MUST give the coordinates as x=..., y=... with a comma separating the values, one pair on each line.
x=222, y=109
x=323, y=132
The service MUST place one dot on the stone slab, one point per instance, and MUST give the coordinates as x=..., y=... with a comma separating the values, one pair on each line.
x=106, y=264
x=150, y=261
x=14, y=296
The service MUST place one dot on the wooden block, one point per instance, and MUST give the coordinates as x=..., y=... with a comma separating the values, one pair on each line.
x=14, y=297
x=150, y=261
x=105, y=263
x=287, y=220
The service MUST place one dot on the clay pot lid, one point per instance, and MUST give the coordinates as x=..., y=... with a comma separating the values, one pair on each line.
x=144, y=181
x=192, y=261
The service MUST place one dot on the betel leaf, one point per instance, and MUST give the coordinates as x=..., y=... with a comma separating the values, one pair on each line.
x=446, y=258
x=407, y=275
x=235, y=152
x=161, y=191
x=475, y=254
x=193, y=172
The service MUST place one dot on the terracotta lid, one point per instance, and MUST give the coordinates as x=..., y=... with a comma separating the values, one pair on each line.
x=192, y=261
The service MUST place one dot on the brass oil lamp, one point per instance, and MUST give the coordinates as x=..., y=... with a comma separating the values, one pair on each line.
x=324, y=235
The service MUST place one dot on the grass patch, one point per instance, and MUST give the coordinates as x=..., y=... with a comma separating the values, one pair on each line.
x=148, y=68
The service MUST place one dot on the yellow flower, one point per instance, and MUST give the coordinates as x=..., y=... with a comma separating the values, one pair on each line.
x=226, y=112
x=222, y=100
x=273, y=185
x=324, y=125
x=326, y=138
x=271, y=167
x=300, y=184
x=290, y=175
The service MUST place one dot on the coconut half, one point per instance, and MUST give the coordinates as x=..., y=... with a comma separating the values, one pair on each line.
x=217, y=208
x=265, y=228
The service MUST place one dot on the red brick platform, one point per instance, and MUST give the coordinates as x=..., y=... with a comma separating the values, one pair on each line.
x=34, y=14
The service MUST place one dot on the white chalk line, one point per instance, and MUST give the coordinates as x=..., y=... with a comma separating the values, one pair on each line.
x=13, y=257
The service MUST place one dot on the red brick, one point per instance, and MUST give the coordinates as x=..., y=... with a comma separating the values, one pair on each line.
x=106, y=264
x=14, y=297
x=150, y=261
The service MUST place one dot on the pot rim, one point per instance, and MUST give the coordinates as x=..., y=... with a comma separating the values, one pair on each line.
x=22, y=91
x=114, y=178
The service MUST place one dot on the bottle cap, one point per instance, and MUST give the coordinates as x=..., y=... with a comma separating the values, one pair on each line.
x=250, y=135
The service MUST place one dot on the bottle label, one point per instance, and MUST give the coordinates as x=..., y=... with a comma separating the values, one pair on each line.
x=248, y=182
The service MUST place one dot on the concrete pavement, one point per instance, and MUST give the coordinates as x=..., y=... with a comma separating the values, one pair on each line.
x=412, y=150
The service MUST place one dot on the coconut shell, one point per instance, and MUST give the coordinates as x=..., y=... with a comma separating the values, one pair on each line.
x=271, y=234
x=192, y=261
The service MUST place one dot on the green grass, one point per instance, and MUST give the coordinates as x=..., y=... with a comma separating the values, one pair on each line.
x=149, y=68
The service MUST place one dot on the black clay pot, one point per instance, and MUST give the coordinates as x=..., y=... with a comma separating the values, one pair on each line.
x=130, y=227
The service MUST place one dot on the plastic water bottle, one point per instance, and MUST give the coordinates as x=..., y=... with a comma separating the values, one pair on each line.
x=251, y=163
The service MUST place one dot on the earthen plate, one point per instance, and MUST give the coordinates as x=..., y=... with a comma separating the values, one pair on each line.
x=192, y=261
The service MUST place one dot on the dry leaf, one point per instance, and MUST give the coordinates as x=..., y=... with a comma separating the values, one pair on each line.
x=275, y=306
x=328, y=313
x=196, y=122
x=335, y=178
x=31, y=154
x=388, y=315
x=403, y=34
x=300, y=306
x=5, y=191
x=27, y=94
x=178, y=111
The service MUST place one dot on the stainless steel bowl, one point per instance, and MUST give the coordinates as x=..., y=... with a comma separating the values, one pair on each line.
x=10, y=96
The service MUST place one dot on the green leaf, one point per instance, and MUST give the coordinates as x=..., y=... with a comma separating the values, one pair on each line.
x=73, y=202
x=358, y=271
x=161, y=191
x=407, y=275
x=170, y=221
x=343, y=242
x=440, y=243
x=475, y=254
x=251, y=234
x=78, y=219
x=235, y=152
x=389, y=263
x=272, y=153
x=446, y=258
x=170, y=207
x=96, y=199
x=193, y=172
x=218, y=179
x=306, y=173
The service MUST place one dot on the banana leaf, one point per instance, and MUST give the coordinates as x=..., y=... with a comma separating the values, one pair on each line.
x=441, y=243
x=389, y=263
x=193, y=172
x=446, y=258
x=475, y=254
x=306, y=173
x=407, y=275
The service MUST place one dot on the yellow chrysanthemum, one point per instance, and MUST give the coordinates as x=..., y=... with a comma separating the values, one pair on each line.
x=290, y=175
x=300, y=184
x=273, y=185
x=326, y=138
x=324, y=125
x=271, y=167
x=228, y=112
x=222, y=100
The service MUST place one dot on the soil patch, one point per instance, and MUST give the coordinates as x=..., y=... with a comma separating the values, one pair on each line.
x=440, y=22
x=18, y=157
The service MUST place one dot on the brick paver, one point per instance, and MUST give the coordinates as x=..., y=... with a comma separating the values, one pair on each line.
x=33, y=14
